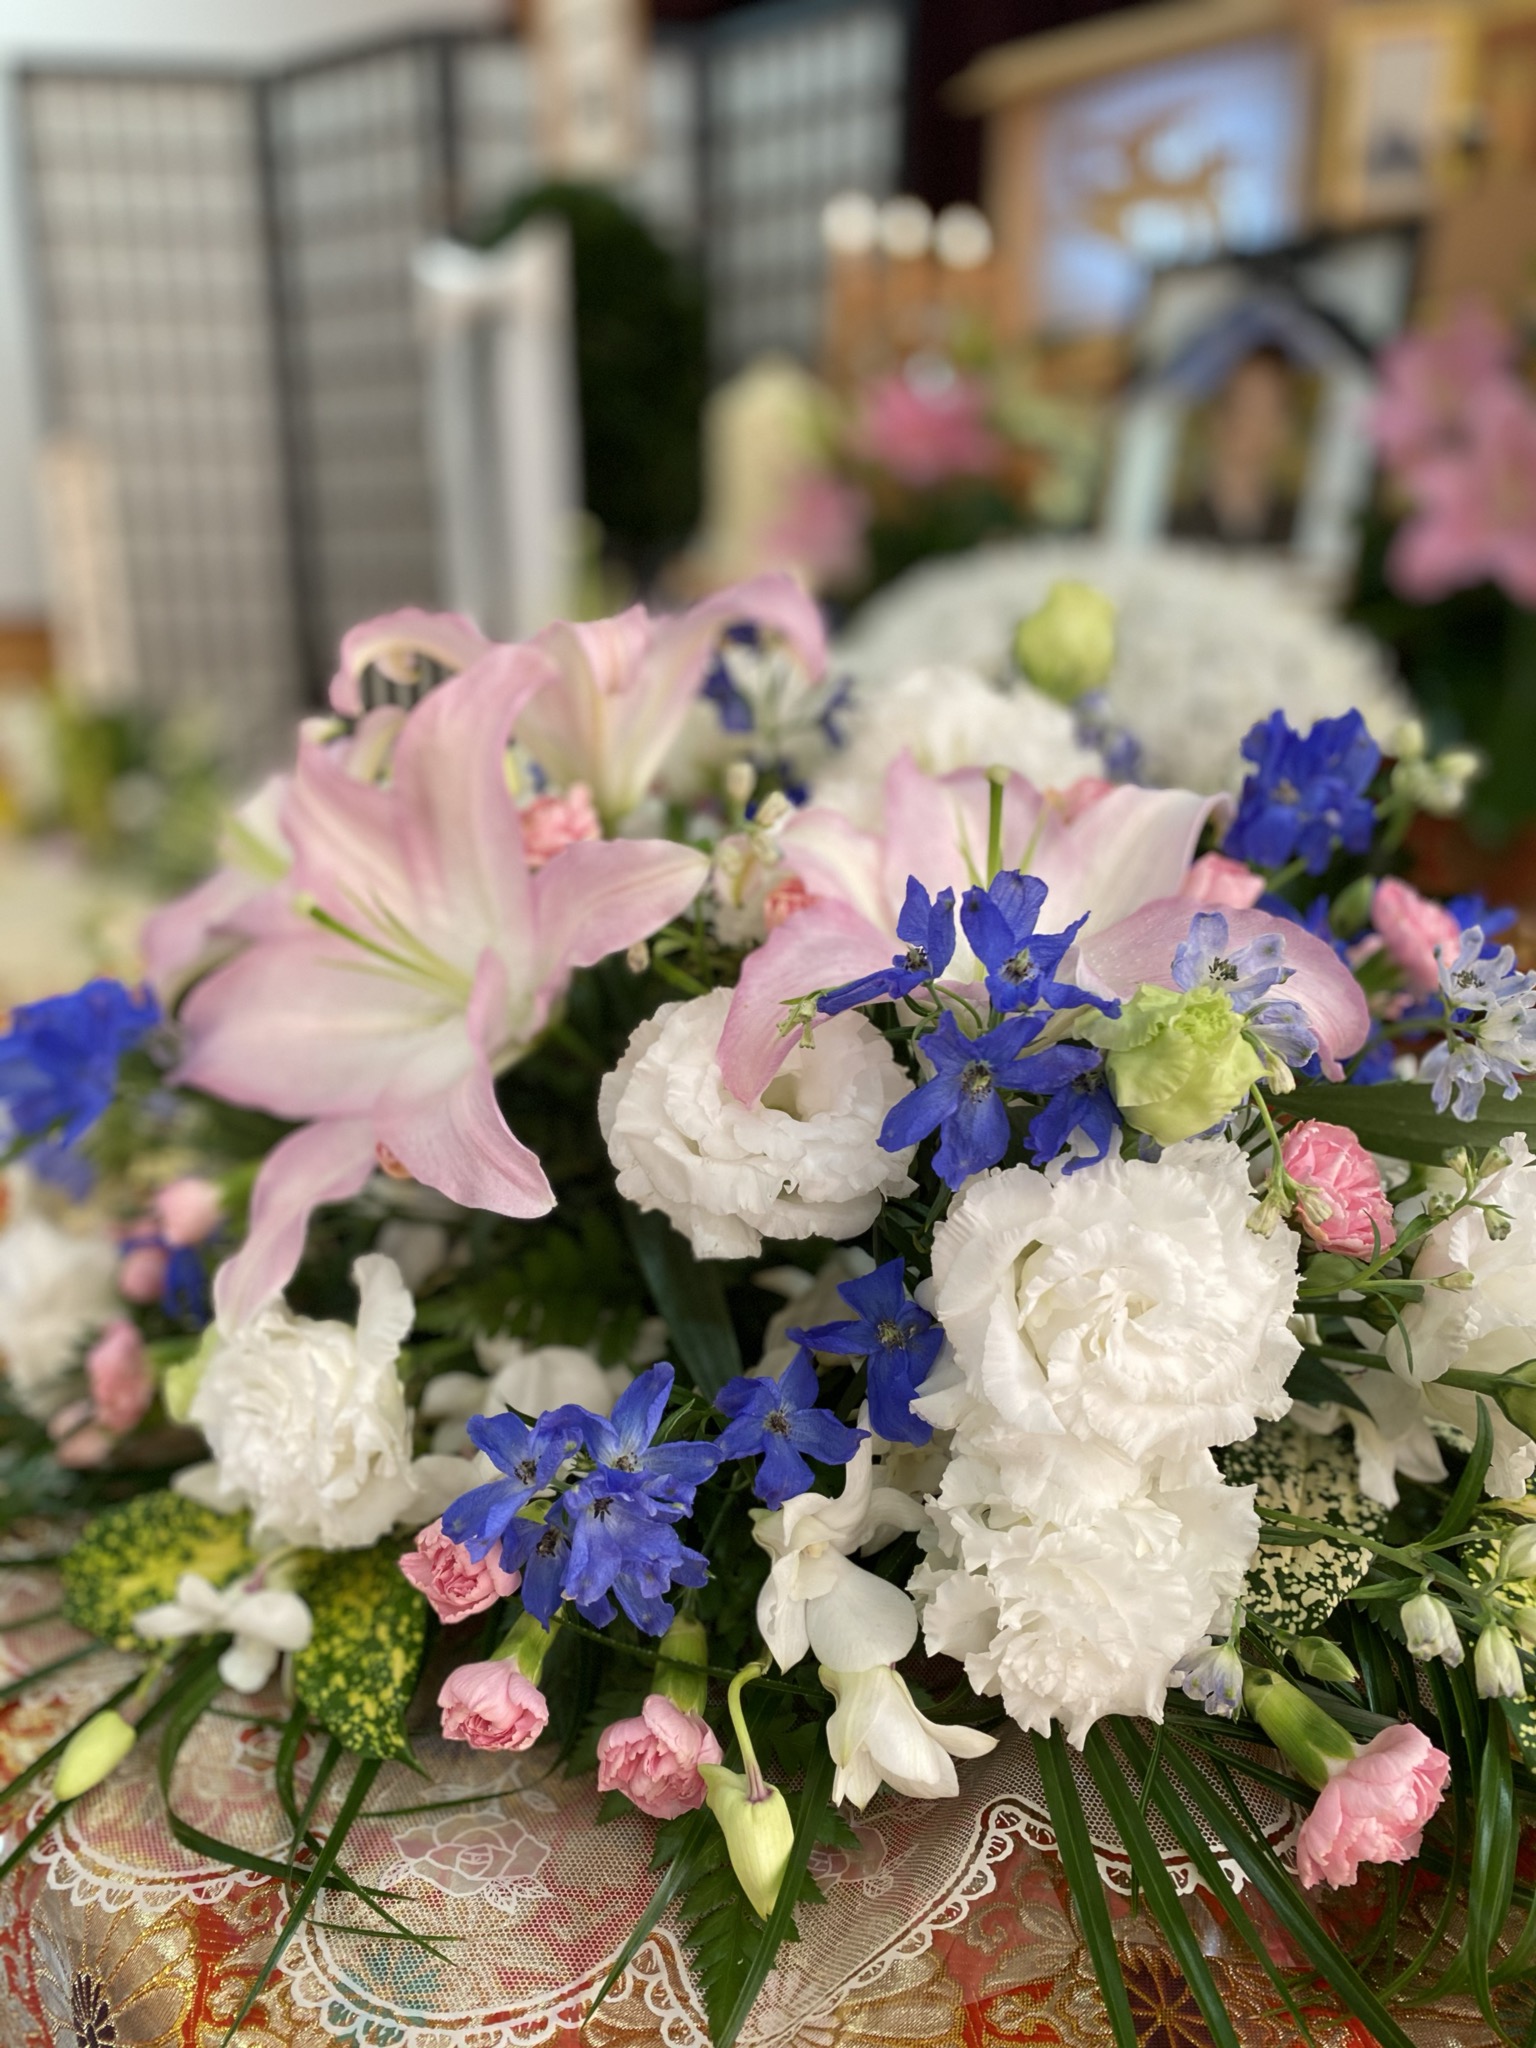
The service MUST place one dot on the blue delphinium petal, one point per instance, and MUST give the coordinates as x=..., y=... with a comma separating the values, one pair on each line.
x=999, y=921
x=927, y=925
x=898, y=1341
x=623, y=1441
x=1084, y=1106
x=528, y=1454
x=1306, y=797
x=778, y=1422
x=59, y=1060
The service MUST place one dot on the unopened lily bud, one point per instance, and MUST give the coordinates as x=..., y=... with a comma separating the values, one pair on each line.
x=740, y=781
x=526, y=1644
x=638, y=958
x=758, y=1831
x=1430, y=1630
x=1496, y=1665
x=1320, y=1657
x=92, y=1753
x=680, y=1660
x=1517, y=1557
x=1067, y=647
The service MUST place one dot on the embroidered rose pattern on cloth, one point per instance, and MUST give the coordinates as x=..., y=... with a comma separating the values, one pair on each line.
x=713, y=1294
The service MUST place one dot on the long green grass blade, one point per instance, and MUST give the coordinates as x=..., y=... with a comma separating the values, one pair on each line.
x=1087, y=1887
x=1468, y=1494
x=1491, y=1884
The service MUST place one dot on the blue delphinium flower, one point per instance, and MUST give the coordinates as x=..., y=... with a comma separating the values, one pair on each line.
x=529, y=1454
x=730, y=701
x=927, y=925
x=1247, y=976
x=1021, y=962
x=59, y=1059
x=838, y=703
x=1306, y=796
x=623, y=1443
x=898, y=1342
x=1491, y=1027
x=778, y=1422
x=624, y=1548
x=540, y=1548
x=1084, y=1105
x=964, y=1099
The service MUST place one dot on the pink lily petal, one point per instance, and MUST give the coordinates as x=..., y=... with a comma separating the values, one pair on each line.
x=1132, y=847
x=324, y=1162
x=342, y=828
x=449, y=638
x=454, y=1138
x=186, y=937
x=1141, y=947
x=602, y=895
x=821, y=946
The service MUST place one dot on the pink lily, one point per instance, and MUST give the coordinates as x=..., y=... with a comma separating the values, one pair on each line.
x=622, y=687
x=397, y=644
x=428, y=961
x=1122, y=957
x=1131, y=846
x=1427, y=379
x=1475, y=506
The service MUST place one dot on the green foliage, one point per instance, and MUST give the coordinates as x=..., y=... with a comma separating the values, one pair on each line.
x=1296, y=1586
x=358, y=1674
x=131, y=1556
x=1399, y=1118
x=690, y=1295
x=641, y=367
x=546, y=1283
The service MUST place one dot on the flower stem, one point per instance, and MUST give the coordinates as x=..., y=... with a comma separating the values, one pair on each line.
x=757, y=1790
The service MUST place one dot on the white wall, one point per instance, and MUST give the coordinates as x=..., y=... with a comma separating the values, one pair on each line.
x=222, y=31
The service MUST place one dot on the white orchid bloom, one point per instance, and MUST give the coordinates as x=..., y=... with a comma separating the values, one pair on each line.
x=263, y=1621
x=815, y=1597
x=877, y=1736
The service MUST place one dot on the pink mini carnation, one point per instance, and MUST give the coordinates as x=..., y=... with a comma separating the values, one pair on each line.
x=492, y=1706
x=1341, y=1191
x=552, y=823
x=1373, y=1809
x=451, y=1580
x=122, y=1385
x=1411, y=926
x=654, y=1758
x=141, y=1274
x=1227, y=884
x=188, y=1210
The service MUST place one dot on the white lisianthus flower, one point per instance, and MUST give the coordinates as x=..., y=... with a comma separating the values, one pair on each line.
x=307, y=1421
x=264, y=1621
x=1129, y=1302
x=1076, y=1618
x=804, y=1160
x=1488, y=1327
x=56, y=1289
x=947, y=718
x=877, y=1737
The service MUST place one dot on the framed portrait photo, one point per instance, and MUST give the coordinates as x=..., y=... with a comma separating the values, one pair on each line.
x=1401, y=78
x=1244, y=422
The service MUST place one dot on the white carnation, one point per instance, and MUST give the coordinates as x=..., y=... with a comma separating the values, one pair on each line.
x=803, y=1161
x=307, y=1420
x=56, y=1290
x=947, y=718
x=1128, y=1303
x=1488, y=1327
x=1087, y=1616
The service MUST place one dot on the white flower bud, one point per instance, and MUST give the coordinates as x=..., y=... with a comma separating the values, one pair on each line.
x=740, y=781
x=1517, y=1558
x=1431, y=1630
x=92, y=1753
x=1523, y=1621
x=1496, y=1663
x=638, y=958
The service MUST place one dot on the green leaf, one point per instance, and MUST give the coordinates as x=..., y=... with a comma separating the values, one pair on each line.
x=690, y=1298
x=1313, y=1381
x=1399, y=1118
x=1296, y=1586
x=1490, y=1884
x=358, y=1674
x=130, y=1558
x=1467, y=1498
x=1087, y=1887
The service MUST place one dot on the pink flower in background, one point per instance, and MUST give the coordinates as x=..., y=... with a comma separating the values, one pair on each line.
x=453, y=1583
x=1222, y=883
x=925, y=433
x=141, y=1274
x=654, y=1758
x=122, y=1385
x=1343, y=1206
x=620, y=689
x=492, y=1706
x=1411, y=927
x=1474, y=513
x=187, y=1211
x=78, y=1442
x=1428, y=378
x=408, y=648
x=1374, y=1808
x=820, y=532
x=428, y=963
x=552, y=823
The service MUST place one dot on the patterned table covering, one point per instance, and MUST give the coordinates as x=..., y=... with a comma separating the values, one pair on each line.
x=948, y=1928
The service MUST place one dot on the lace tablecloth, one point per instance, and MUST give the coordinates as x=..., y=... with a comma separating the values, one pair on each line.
x=948, y=1928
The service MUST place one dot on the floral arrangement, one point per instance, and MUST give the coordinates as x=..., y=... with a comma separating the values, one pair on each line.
x=766, y=1298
